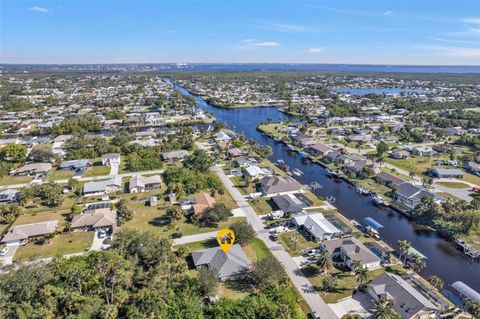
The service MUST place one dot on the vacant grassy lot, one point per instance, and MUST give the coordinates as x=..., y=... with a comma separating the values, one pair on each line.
x=96, y=170
x=29, y=218
x=68, y=202
x=241, y=184
x=472, y=178
x=453, y=184
x=62, y=244
x=12, y=180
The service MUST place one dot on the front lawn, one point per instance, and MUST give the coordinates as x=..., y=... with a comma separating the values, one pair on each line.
x=262, y=205
x=453, y=184
x=346, y=281
x=292, y=247
x=241, y=184
x=56, y=174
x=12, y=180
x=96, y=170
x=62, y=244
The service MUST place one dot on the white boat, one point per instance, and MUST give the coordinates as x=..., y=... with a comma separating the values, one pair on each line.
x=378, y=200
x=315, y=185
x=297, y=172
x=362, y=191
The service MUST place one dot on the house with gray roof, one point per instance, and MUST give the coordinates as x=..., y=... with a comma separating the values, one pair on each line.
x=410, y=195
x=178, y=155
x=276, y=185
x=111, y=159
x=231, y=265
x=34, y=169
x=316, y=225
x=345, y=251
x=139, y=183
x=103, y=187
x=288, y=203
x=446, y=173
x=22, y=233
x=96, y=218
x=406, y=300
x=9, y=196
x=75, y=165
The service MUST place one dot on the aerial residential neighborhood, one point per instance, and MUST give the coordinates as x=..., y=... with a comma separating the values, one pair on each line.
x=296, y=160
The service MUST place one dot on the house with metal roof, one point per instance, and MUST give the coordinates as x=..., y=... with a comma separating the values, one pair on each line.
x=9, y=196
x=231, y=265
x=316, y=225
x=103, y=187
x=446, y=173
x=75, y=165
x=406, y=300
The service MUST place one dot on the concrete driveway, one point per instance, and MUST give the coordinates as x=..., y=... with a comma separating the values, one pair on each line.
x=97, y=243
x=356, y=304
x=8, y=258
x=114, y=169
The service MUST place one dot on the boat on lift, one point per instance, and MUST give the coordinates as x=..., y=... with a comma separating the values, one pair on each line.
x=331, y=199
x=362, y=191
x=378, y=200
x=331, y=173
x=297, y=172
x=315, y=185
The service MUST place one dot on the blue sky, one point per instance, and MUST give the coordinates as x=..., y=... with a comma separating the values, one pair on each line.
x=442, y=32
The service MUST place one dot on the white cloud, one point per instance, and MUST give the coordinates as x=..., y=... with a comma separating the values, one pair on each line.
x=38, y=9
x=257, y=43
x=388, y=12
x=315, y=50
x=472, y=20
x=285, y=28
x=454, y=41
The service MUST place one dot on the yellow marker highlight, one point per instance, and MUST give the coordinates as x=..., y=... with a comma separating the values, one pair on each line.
x=225, y=239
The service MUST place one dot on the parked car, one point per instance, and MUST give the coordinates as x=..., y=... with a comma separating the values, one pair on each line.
x=176, y=235
x=4, y=251
x=315, y=315
x=102, y=233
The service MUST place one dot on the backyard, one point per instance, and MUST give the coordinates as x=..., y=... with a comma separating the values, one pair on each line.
x=12, y=180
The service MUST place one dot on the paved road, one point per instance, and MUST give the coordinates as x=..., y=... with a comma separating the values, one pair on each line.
x=307, y=291
x=89, y=179
x=194, y=238
x=462, y=193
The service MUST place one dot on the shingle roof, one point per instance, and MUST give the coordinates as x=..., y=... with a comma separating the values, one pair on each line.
x=276, y=184
x=225, y=264
x=407, y=300
x=35, y=167
x=288, y=204
x=21, y=232
x=353, y=248
x=96, y=218
x=141, y=181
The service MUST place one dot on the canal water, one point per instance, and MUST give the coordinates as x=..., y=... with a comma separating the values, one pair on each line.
x=443, y=259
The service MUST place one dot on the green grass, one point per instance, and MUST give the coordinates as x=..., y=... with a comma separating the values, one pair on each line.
x=62, y=244
x=240, y=184
x=68, y=202
x=30, y=218
x=473, y=239
x=256, y=249
x=96, y=170
x=373, y=186
x=301, y=244
x=453, y=184
x=12, y=180
x=315, y=200
x=147, y=218
x=262, y=205
x=474, y=179
x=55, y=174
x=346, y=282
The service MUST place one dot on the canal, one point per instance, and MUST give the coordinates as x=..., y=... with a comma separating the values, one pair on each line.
x=443, y=259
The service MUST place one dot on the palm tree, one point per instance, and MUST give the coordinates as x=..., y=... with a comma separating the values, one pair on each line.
x=418, y=263
x=329, y=283
x=362, y=275
x=356, y=264
x=473, y=308
x=324, y=260
x=384, y=310
x=436, y=282
x=403, y=247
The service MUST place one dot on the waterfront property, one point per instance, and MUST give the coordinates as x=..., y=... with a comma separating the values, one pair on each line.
x=346, y=251
x=316, y=225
